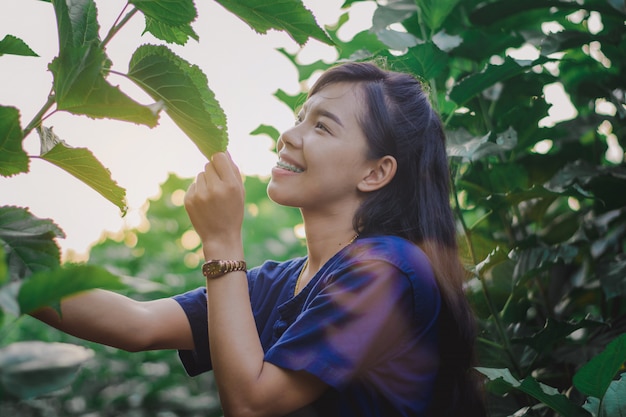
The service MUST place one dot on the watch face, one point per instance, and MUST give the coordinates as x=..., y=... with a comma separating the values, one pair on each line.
x=214, y=268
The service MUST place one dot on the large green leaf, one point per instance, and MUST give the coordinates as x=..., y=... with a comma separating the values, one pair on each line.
x=169, y=20
x=82, y=164
x=474, y=84
x=47, y=288
x=594, y=378
x=546, y=394
x=434, y=12
x=13, y=158
x=184, y=90
x=30, y=369
x=170, y=12
x=15, y=46
x=539, y=258
x=28, y=242
x=288, y=15
x=79, y=83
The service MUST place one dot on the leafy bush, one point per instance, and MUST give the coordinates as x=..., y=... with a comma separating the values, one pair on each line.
x=540, y=203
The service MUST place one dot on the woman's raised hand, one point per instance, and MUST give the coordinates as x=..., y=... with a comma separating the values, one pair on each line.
x=215, y=204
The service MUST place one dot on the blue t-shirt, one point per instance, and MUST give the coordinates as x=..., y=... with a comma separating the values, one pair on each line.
x=365, y=325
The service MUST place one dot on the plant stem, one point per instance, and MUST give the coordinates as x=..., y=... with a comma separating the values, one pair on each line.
x=492, y=310
x=118, y=26
x=37, y=119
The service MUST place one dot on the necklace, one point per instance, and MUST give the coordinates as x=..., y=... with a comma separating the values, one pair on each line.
x=306, y=263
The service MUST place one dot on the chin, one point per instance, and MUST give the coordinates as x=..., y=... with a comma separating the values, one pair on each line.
x=277, y=197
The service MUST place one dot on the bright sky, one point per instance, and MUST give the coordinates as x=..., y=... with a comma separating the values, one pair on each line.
x=244, y=70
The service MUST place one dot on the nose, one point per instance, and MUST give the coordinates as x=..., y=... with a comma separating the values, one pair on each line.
x=291, y=137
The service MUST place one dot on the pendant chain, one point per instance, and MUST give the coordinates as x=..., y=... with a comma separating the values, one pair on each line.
x=306, y=263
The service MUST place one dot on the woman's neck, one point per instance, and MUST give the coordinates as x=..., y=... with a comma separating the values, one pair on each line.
x=325, y=237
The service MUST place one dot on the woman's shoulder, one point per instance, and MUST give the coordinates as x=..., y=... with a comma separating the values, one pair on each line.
x=400, y=252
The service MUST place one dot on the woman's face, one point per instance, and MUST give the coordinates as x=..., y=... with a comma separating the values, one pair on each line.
x=322, y=158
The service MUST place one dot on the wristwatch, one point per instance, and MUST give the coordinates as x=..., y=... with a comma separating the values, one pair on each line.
x=215, y=268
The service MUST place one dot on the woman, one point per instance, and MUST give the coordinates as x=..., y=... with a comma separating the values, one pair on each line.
x=373, y=321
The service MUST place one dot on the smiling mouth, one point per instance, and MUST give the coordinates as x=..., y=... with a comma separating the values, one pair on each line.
x=284, y=165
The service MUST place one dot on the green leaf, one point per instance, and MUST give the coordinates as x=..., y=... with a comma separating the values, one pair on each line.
x=13, y=158
x=426, y=61
x=394, y=12
x=462, y=144
x=539, y=258
x=270, y=131
x=184, y=90
x=594, y=378
x=435, y=12
x=305, y=71
x=28, y=242
x=48, y=287
x=474, y=84
x=554, y=332
x=288, y=15
x=82, y=164
x=546, y=394
x=172, y=34
x=15, y=46
x=79, y=83
x=613, y=278
x=614, y=401
x=169, y=12
x=293, y=102
x=4, y=270
x=8, y=298
x=30, y=369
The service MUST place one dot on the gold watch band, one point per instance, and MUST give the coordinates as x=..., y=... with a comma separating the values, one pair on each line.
x=216, y=268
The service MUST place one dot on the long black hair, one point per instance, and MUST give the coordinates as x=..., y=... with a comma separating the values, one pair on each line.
x=400, y=121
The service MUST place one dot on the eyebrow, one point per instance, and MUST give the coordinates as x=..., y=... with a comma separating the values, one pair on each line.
x=325, y=113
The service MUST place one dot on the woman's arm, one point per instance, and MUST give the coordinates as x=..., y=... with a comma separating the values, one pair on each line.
x=248, y=385
x=115, y=320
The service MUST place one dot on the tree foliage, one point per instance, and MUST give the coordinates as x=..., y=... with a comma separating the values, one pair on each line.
x=539, y=200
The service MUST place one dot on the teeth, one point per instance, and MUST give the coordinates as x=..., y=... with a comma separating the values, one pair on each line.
x=288, y=167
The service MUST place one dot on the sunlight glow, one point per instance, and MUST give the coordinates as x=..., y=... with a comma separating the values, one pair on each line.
x=573, y=203
x=178, y=197
x=192, y=260
x=190, y=240
x=561, y=109
x=298, y=230
x=542, y=147
x=614, y=153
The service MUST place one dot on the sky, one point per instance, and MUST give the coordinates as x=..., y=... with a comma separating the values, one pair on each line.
x=244, y=70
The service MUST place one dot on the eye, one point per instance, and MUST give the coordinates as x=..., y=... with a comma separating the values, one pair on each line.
x=320, y=125
x=298, y=119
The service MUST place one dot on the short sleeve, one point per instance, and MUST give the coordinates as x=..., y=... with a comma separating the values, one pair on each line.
x=194, y=305
x=354, y=325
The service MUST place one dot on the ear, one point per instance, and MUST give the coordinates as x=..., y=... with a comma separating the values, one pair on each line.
x=381, y=173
